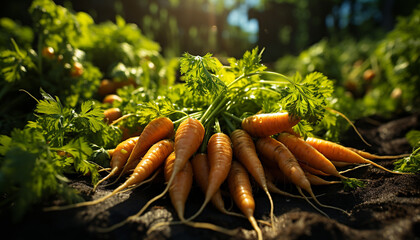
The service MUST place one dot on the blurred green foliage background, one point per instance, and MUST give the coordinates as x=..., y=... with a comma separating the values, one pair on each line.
x=230, y=27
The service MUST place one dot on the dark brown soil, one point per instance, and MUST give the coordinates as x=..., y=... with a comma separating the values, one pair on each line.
x=387, y=208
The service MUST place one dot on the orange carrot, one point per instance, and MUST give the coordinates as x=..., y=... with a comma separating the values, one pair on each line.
x=339, y=153
x=219, y=153
x=274, y=150
x=119, y=157
x=241, y=191
x=308, y=154
x=181, y=186
x=371, y=156
x=201, y=171
x=158, y=129
x=245, y=152
x=149, y=163
x=154, y=157
x=188, y=138
x=264, y=125
x=112, y=114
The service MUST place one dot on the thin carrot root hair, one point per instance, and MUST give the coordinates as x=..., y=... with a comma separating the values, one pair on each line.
x=351, y=124
x=313, y=205
x=152, y=178
x=323, y=205
x=144, y=169
x=104, y=169
x=99, y=200
x=203, y=225
x=354, y=168
x=110, y=174
x=372, y=156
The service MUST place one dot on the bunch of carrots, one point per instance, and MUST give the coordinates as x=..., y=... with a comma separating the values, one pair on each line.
x=266, y=148
x=210, y=145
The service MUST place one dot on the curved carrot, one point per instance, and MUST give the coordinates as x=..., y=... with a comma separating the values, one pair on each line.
x=308, y=154
x=158, y=129
x=245, y=152
x=241, y=191
x=339, y=153
x=119, y=158
x=219, y=153
x=149, y=163
x=181, y=186
x=267, y=124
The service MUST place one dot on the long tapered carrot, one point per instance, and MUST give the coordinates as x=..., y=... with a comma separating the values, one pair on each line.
x=201, y=171
x=219, y=151
x=308, y=154
x=274, y=150
x=119, y=158
x=181, y=186
x=267, y=124
x=241, y=191
x=153, y=158
x=149, y=163
x=188, y=138
x=245, y=152
x=156, y=130
x=339, y=153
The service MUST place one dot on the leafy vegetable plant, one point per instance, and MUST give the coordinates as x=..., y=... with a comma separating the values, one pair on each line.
x=35, y=160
